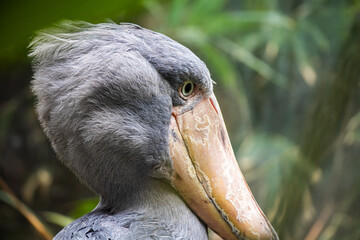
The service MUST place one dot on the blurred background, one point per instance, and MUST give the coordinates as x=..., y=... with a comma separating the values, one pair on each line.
x=288, y=82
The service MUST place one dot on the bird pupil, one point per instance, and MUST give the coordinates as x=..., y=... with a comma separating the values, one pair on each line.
x=188, y=88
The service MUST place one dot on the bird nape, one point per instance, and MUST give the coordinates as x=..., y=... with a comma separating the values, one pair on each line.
x=132, y=113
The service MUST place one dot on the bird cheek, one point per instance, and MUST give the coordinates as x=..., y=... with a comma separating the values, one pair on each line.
x=162, y=170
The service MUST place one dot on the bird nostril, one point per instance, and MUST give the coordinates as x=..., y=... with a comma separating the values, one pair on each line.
x=213, y=105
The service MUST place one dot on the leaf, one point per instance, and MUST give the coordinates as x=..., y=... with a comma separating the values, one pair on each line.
x=253, y=40
x=176, y=13
x=203, y=10
x=244, y=56
x=83, y=206
x=221, y=65
x=274, y=19
x=192, y=35
x=57, y=218
x=316, y=35
x=5, y=198
x=34, y=220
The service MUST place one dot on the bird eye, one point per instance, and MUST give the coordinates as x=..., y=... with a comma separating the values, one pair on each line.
x=187, y=89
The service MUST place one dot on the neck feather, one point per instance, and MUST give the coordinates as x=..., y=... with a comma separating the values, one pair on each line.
x=160, y=210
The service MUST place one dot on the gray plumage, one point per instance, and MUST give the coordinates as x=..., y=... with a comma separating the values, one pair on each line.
x=162, y=216
x=104, y=98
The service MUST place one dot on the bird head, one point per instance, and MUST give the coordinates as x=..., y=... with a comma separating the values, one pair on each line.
x=122, y=104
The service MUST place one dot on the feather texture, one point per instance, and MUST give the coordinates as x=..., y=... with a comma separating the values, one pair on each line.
x=104, y=98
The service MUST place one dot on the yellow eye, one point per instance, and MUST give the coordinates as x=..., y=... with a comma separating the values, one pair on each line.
x=187, y=88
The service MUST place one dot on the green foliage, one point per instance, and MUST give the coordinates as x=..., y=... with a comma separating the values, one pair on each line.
x=277, y=58
x=83, y=206
x=20, y=19
x=58, y=219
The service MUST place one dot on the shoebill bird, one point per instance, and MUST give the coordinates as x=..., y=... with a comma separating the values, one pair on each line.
x=132, y=113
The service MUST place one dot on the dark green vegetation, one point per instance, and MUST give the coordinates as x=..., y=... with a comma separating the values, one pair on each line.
x=288, y=79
